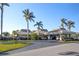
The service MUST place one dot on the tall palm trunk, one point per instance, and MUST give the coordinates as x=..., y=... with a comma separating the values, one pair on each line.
x=27, y=29
x=38, y=30
x=38, y=33
x=62, y=25
x=69, y=28
x=1, y=20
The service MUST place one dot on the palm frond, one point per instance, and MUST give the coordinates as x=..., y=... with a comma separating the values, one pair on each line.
x=0, y=7
x=27, y=12
x=70, y=24
x=24, y=12
x=5, y=4
x=63, y=20
x=28, y=15
x=35, y=24
x=39, y=25
x=32, y=19
x=31, y=15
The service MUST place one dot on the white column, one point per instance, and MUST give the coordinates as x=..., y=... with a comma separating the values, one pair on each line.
x=61, y=38
x=49, y=37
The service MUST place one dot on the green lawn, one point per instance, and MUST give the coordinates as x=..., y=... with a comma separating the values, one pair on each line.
x=7, y=47
x=71, y=41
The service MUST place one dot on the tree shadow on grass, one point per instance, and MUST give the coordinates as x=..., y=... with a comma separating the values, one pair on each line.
x=3, y=53
x=69, y=53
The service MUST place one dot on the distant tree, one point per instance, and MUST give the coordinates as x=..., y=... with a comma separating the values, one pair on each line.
x=39, y=26
x=6, y=33
x=2, y=10
x=28, y=17
x=14, y=33
x=70, y=24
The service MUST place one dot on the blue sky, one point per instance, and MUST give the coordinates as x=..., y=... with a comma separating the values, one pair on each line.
x=50, y=14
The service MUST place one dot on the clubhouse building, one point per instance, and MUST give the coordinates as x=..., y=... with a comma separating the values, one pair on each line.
x=57, y=34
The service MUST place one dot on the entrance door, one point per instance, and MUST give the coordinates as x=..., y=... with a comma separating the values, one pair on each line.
x=53, y=37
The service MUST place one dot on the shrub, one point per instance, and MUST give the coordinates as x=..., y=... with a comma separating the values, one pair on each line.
x=34, y=36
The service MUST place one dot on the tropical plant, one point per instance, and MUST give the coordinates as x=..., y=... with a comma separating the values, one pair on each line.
x=39, y=26
x=63, y=22
x=2, y=10
x=34, y=36
x=28, y=17
x=70, y=24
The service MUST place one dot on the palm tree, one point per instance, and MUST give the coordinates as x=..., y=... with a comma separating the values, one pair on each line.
x=28, y=17
x=2, y=10
x=39, y=25
x=70, y=24
x=63, y=22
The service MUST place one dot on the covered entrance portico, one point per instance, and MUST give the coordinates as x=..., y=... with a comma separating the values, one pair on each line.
x=60, y=35
x=53, y=36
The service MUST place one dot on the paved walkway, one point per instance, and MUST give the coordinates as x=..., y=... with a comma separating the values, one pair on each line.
x=64, y=49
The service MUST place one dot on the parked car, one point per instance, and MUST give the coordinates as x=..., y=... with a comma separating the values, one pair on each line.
x=6, y=38
x=21, y=38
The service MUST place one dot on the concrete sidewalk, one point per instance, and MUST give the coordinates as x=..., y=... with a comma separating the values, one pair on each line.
x=64, y=49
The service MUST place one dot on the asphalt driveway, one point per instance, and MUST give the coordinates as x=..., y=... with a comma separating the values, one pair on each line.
x=36, y=44
x=70, y=49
